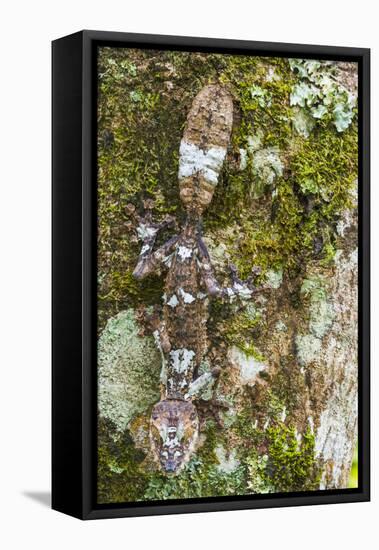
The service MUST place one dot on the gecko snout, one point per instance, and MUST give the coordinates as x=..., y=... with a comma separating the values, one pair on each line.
x=170, y=466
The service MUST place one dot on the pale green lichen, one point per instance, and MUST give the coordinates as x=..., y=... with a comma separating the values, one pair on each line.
x=265, y=162
x=281, y=326
x=112, y=465
x=304, y=95
x=128, y=370
x=206, y=392
x=267, y=166
x=319, y=95
x=257, y=481
x=227, y=461
x=249, y=366
x=274, y=278
x=303, y=122
x=255, y=141
x=321, y=312
x=243, y=158
x=252, y=312
x=261, y=95
x=321, y=315
x=308, y=348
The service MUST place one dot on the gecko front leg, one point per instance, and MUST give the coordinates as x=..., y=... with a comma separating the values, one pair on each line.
x=204, y=381
x=147, y=231
x=149, y=261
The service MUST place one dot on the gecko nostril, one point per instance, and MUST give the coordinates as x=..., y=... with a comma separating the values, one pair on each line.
x=170, y=467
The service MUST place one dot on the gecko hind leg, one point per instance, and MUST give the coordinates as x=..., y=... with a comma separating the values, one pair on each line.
x=212, y=408
x=208, y=407
x=239, y=288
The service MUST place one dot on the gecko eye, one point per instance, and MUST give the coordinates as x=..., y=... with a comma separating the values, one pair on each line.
x=177, y=454
x=164, y=454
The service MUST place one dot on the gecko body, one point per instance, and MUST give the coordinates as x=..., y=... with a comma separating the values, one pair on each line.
x=181, y=332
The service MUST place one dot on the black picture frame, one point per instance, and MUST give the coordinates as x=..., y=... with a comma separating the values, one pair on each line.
x=74, y=274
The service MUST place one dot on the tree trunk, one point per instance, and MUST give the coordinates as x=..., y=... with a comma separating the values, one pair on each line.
x=283, y=414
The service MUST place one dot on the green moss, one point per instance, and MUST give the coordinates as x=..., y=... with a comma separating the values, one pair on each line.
x=277, y=459
x=298, y=224
x=266, y=117
x=241, y=330
x=326, y=168
x=265, y=106
x=121, y=478
x=305, y=207
x=291, y=464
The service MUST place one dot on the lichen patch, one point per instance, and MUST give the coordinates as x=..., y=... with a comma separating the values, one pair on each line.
x=249, y=367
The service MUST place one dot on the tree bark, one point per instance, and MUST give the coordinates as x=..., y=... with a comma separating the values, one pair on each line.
x=282, y=416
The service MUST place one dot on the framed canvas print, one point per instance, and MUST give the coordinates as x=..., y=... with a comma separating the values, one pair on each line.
x=210, y=274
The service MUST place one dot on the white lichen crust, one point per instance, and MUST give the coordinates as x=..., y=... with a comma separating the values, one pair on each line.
x=249, y=367
x=193, y=160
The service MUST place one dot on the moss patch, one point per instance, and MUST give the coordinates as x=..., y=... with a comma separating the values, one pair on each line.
x=291, y=464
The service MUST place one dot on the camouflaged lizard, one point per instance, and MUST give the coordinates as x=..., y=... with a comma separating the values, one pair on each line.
x=181, y=332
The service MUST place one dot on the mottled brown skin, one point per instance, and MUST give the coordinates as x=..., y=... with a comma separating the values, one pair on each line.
x=181, y=334
x=185, y=324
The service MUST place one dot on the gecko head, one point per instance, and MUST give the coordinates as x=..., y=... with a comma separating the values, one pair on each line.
x=174, y=431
